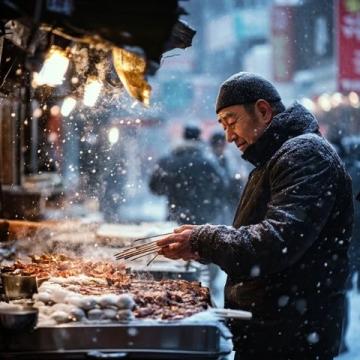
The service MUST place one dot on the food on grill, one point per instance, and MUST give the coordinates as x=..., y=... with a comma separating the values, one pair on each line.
x=79, y=290
x=59, y=265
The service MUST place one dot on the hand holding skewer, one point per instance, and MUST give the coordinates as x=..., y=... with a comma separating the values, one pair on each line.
x=177, y=245
x=174, y=246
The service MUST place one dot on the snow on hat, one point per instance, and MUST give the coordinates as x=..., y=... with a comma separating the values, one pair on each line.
x=245, y=88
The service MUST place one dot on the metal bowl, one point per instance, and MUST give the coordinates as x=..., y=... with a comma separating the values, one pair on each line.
x=18, y=319
x=19, y=286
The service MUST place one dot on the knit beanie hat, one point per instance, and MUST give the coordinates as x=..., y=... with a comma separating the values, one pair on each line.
x=245, y=88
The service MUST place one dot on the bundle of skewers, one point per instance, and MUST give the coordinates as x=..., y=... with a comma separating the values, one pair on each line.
x=135, y=252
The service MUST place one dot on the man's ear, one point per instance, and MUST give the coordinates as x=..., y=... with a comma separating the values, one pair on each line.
x=264, y=111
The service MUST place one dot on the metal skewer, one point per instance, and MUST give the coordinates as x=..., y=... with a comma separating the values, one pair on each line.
x=134, y=251
x=143, y=238
x=153, y=236
x=139, y=252
x=142, y=255
x=152, y=260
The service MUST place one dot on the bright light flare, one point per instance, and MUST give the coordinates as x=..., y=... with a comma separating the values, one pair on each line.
x=68, y=106
x=325, y=102
x=54, y=68
x=113, y=135
x=354, y=99
x=336, y=99
x=308, y=103
x=92, y=92
x=55, y=110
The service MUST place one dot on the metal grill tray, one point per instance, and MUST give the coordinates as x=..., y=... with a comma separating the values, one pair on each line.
x=137, y=338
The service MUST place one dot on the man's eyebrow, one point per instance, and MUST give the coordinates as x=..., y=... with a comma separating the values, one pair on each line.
x=225, y=116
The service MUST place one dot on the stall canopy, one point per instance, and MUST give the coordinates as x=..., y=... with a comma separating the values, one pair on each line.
x=99, y=39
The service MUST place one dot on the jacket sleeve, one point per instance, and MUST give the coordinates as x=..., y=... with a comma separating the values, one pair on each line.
x=303, y=186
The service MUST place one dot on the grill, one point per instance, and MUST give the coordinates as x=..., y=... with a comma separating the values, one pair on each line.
x=189, y=338
x=134, y=340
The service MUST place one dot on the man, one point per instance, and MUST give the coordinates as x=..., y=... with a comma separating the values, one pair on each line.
x=286, y=253
x=190, y=179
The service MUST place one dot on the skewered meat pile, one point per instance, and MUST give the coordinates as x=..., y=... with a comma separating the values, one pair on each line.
x=77, y=289
x=58, y=265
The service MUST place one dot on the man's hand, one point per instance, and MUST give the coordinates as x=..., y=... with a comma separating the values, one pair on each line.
x=177, y=245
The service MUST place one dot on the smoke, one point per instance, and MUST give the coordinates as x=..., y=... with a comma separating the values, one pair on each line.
x=71, y=239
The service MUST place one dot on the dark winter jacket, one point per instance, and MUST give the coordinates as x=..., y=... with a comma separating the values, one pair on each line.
x=286, y=254
x=192, y=181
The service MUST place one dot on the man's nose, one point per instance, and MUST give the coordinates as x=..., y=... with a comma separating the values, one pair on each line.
x=230, y=136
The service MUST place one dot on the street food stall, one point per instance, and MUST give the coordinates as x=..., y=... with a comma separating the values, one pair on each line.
x=87, y=305
x=74, y=288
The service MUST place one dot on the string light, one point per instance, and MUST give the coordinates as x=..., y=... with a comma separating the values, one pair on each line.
x=336, y=99
x=92, y=91
x=354, y=99
x=54, y=68
x=325, y=102
x=68, y=106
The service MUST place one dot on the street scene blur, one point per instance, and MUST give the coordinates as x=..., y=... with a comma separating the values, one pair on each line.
x=116, y=126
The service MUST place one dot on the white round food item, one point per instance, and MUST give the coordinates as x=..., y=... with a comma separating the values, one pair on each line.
x=125, y=301
x=56, y=292
x=75, y=300
x=63, y=307
x=87, y=302
x=108, y=300
x=110, y=314
x=77, y=314
x=124, y=315
x=39, y=304
x=43, y=296
x=60, y=316
x=59, y=295
x=73, y=287
x=46, y=310
x=48, y=286
x=95, y=314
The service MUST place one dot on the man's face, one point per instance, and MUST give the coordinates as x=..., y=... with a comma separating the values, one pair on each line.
x=241, y=127
x=219, y=148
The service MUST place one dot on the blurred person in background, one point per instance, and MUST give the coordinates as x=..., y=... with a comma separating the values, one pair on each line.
x=351, y=158
x=230, y=196
x=190, y=179
x=286, y=254
x=348, y=148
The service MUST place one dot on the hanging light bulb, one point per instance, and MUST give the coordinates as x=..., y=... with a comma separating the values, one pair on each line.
x=54, y=68
x=92, y=91
x=67, y=106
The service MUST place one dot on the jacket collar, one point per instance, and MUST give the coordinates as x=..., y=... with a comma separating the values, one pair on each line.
x=294, y=121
